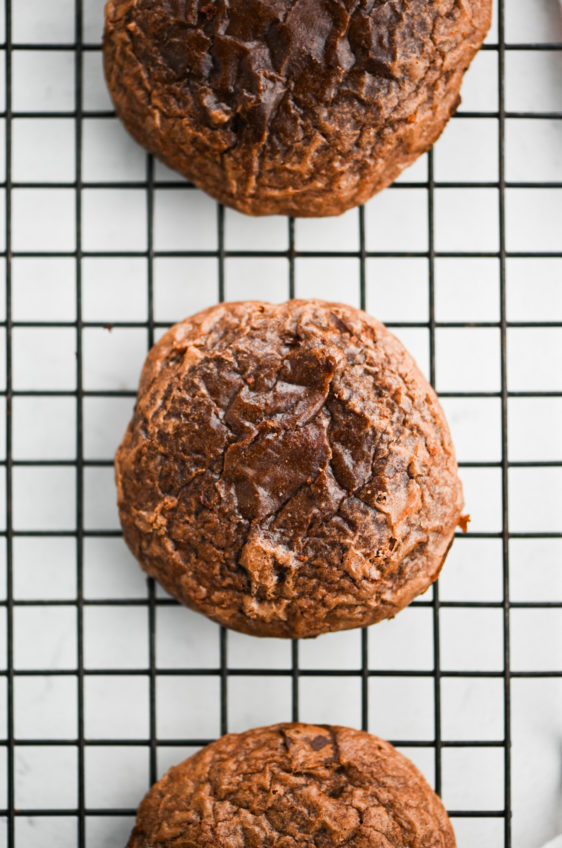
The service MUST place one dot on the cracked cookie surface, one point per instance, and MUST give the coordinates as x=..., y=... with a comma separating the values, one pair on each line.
x=299, y=107
x=293, y=786
x=288, y=470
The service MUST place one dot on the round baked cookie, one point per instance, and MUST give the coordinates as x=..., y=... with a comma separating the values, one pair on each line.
x=288, y=470
x=298, y=107
x=293, y=786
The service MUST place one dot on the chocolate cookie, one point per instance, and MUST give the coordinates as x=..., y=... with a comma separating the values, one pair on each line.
x=293, y=786
x=288, y=470
x=298, y=107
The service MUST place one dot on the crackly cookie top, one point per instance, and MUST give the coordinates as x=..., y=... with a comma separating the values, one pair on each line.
x=288, y=469
x=294, y=786
x=289, y=103
x=243, y=57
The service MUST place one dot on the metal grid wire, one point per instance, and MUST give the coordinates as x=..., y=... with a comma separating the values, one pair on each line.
x=224, y=673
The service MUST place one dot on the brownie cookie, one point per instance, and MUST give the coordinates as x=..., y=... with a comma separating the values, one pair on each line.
x=293, y=786
x=298, y=107
x=288, y=470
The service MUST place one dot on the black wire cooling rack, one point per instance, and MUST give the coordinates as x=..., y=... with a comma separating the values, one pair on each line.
x=224, y=673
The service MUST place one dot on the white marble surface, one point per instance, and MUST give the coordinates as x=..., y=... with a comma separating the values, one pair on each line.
x=113, y=290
